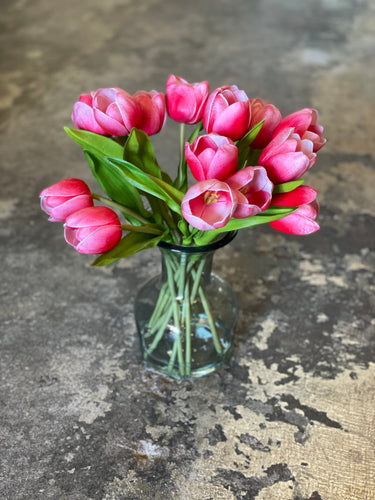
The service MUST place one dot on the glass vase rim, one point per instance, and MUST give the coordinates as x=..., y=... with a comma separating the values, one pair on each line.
x=209, y=247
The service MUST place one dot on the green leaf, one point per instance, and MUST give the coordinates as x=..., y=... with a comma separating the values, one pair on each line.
x=149, y=184
x=247, y=139
x=286, y=187
x=277, y=210
x=129, y=245
x=98, y=144
x=195, y=133
x=235, y=224
x=245, y=155
x=115, y=184
x=139, y=151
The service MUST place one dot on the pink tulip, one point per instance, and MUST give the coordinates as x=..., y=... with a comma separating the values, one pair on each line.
x=64, y=198
x=287, y=157
x=83, y=115
x=211, y=157
x=108, y=111
x=227, y=112
x=260, y=110
x=152, y=107
x=254, y=191
x=116, y=111
x=93, y=230
x=305, y=124
x=208, y=204
x=302, y=220
x=185, y=101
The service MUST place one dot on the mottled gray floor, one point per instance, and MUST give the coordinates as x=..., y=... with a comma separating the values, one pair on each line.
x=292, y=416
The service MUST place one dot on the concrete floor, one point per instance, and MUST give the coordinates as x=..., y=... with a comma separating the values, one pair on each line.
x=292, y=415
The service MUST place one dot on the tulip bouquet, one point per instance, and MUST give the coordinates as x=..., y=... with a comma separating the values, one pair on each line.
x=247, y=161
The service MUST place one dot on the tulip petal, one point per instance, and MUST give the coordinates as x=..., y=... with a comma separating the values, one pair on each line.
x=224, y=162
x=287, y=167
x=100, y=240
x=84, y=119
x=299, y=196
x=92, y=216
x=234, y=121
x=129, y=109
x=280, y=143
x=63, y=210
x=295, y=224
x=194, y=163
x=152, y=106
x=113, y=127
x=182, y=103
x=66, y=187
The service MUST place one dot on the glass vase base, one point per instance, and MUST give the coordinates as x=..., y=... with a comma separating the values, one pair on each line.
x=205, y=358
x=194, y=349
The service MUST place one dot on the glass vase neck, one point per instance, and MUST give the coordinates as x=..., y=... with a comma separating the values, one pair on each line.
x=210, y=247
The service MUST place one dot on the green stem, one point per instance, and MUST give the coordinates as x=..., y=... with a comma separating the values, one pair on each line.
x=181, y=180
x=122, y=208
x=161, y=331
x=206, y=306
x=187, y=331
x=211, y=321
x=176, y=315
x=160, y=304
x=170, y=223
x=173, y=357
x=197, y=279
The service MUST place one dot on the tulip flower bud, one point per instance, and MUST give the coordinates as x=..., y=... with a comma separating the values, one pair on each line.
x=287, y=157
x=254, y=191
x=211, y=157
x=227, y=112
x=302, y=220
x=83, y=115
x=185, y=101
x=93, y=230
x=152, y=106
x=108, y=111
x=208, y=204
x=305, y=124
x=116, y=111
x=260, y=110
x=64, y=198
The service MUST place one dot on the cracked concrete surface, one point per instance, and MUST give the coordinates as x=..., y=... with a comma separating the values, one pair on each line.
x=292, y=415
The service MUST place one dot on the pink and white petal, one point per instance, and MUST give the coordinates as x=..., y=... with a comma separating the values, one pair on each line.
x=295, y=224
x=194, y=165
x=86, y=99
x=100, y=240
x=70, y=236
x=129, y=109
x=113, y=127
x=277, y=145
x=83, y=118
x=299, y=120
x=287, y=167
x=66, y=187
x=299, y=196
x=92, y=216
x=234, y=121
x=181, y=102
x=61, y=212
x=224, y=163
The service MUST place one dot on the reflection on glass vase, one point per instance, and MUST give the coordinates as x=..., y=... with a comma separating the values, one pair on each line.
x=186, y=316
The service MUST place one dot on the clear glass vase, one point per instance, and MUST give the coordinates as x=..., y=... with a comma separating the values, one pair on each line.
x=186, y=316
